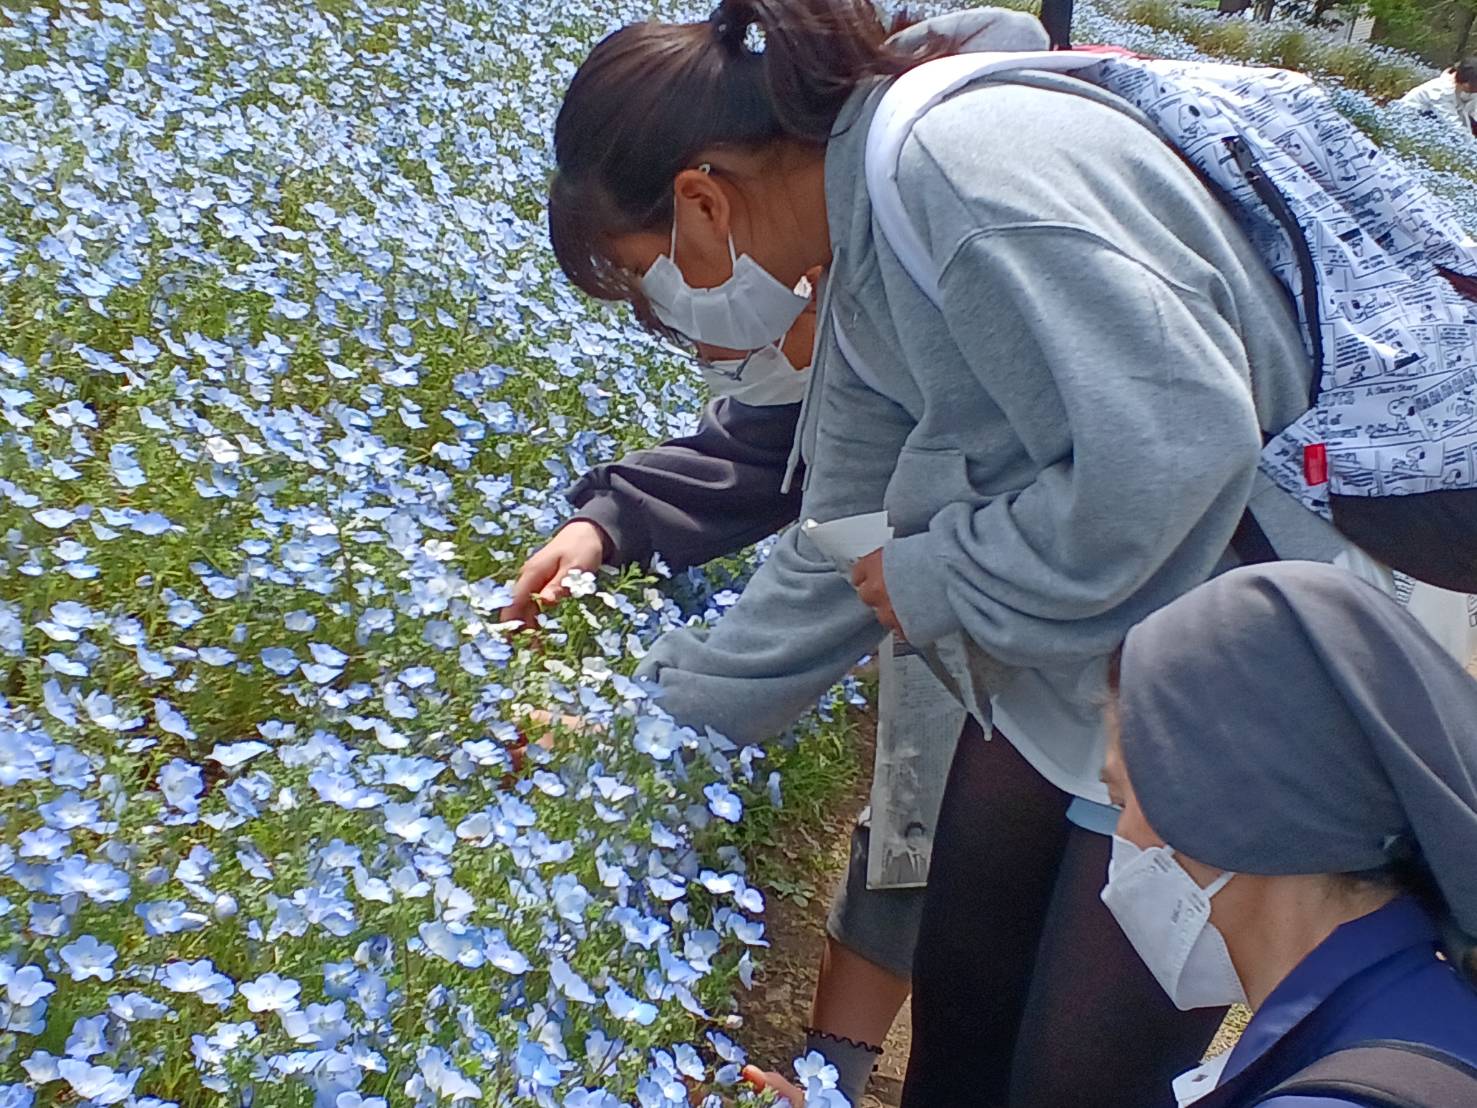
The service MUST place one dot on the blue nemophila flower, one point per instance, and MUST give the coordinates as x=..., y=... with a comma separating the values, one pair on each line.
x=723, y=802
x=436, y=1074
x=271, y=993
x=55, y=518
x=89, y=1037
x=152, y=664
x=99, y=1084
x=123, y=461
x=624, y=1006
x=326, y=655
x=101, y=710
x=131, y=1007
x=86, y=957
x=45, y=843
x=232, y=755
x=198, y=978
x=169, y=917
x=571, y=984
x=24, y=987
x=98, y=881
x=70, y=810
x=181, y=783
x=280, y=660
x=171, y=720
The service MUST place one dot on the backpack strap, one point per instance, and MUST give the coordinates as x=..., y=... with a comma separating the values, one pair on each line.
x=1250, y=542
x=1386, y=1073
x=903, y=104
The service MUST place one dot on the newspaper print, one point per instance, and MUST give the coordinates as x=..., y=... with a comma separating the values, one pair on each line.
x=918, y=728
x=1398, y=411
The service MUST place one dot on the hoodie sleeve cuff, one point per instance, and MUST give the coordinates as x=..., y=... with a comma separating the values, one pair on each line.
x=913, y=573
x=625, y=539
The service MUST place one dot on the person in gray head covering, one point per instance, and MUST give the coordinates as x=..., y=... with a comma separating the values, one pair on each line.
x=1297, y=766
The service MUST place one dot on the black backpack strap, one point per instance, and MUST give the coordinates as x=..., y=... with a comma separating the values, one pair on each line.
x=1387, y=1073
x=1250, y=542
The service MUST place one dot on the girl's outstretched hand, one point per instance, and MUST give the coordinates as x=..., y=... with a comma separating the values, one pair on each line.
x=578, y=546
x=762, y=1079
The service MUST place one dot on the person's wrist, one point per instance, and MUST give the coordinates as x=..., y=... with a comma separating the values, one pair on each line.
x=607, y=544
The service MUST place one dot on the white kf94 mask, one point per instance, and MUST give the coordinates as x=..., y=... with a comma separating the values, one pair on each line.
x=764, y=378
x=1166, y=917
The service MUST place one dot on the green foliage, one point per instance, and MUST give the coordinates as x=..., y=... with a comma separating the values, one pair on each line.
x=1383, y=76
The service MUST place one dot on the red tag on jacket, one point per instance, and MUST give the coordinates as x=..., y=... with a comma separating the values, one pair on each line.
x=1315, y=464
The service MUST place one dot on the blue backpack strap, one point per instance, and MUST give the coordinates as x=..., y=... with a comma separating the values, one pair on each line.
x=1386, y=1073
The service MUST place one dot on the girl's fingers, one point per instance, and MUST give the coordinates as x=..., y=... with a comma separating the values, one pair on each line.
x=768, y=1079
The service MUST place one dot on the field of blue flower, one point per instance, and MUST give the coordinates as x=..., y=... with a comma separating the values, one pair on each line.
x=288, y=391
x=288, y=388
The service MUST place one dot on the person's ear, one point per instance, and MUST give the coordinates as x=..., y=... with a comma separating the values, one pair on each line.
x=703, y=210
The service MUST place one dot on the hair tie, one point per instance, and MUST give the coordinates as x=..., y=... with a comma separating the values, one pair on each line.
x=732, y=34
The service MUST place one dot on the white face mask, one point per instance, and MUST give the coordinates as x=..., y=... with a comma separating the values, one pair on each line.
x=750, y=310
x=1166, y=917
x=764, y=378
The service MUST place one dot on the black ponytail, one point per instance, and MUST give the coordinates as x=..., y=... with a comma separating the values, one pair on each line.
x=652, y=96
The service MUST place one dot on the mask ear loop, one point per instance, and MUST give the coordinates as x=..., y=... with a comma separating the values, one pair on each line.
x=707, y=167
x=1218, y=884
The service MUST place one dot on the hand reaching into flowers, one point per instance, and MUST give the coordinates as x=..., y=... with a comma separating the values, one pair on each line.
x=538, y=717
x=819, y=1088
x=579, y=546
x=768, y=1079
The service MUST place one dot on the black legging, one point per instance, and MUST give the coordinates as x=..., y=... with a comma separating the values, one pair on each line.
x=1025, y=992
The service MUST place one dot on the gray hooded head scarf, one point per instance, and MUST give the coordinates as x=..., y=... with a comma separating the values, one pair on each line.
x=1290, y=719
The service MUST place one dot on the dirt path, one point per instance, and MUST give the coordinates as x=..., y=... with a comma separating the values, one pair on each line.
x=778, y=1006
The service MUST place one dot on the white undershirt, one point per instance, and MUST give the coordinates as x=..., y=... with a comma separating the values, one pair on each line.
x=1193, y=1084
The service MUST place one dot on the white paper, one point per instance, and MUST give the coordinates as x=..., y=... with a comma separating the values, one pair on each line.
x=847, y=540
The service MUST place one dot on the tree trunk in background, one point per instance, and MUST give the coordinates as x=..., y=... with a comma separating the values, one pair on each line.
x=1464, y=32
x=1233, y=7
x=1263, y=11
x=1056, y=17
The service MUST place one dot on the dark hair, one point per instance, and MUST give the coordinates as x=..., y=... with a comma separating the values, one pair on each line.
x=1408, y=874
x=1466, y=70
x=652, y=96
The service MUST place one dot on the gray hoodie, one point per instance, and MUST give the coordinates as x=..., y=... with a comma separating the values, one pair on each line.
x=1063, y=447
x=719, y=489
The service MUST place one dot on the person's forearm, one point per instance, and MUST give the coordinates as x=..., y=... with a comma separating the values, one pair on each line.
x=696, y=498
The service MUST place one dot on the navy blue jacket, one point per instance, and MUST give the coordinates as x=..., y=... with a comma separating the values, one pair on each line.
x=1378, y=977
x=696, y=498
